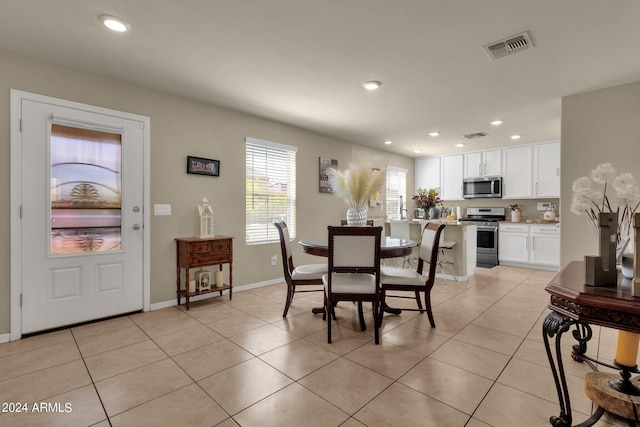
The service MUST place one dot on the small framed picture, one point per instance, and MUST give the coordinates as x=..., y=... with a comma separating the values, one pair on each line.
x=203, y=280
x=202, y=166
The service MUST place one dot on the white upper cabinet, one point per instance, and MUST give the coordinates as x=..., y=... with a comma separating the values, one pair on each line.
x=452, y=169
x=428, y=172
x=546, y=170
x=483, y=163
x=517, y=170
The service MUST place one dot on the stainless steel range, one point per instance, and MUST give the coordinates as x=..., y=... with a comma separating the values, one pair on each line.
x=487, y=219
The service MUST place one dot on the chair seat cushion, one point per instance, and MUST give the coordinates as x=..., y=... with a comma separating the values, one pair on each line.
x=400, y=276
x=309, y=272
x=351, y=283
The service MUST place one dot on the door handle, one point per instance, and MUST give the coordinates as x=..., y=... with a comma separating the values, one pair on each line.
x=136, y=226
x=136, y=209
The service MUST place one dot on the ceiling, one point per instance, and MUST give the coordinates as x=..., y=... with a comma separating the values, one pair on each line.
x=303, y=62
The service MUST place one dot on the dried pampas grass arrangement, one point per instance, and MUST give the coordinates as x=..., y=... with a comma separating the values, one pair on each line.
x=356, y=184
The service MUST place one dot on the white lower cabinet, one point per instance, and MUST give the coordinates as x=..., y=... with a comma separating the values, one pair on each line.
x=529, y=245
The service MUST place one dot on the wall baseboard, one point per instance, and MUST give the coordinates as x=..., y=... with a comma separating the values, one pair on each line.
x=5, y=338
x=174, y=302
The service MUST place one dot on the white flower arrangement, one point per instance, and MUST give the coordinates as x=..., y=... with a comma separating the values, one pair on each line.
x=356, y=184
x=625, y=201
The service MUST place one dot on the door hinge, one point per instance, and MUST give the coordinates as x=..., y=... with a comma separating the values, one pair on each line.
x=20, y=211
x=20, y=126
x=21, y=300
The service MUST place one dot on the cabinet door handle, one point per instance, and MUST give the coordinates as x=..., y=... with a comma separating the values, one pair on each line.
x=557, y=171
x=533, y=243
x=479, y=168
x=485, y=169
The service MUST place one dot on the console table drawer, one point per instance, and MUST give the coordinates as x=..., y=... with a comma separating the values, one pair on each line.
x=209, y=259
x=207, y=247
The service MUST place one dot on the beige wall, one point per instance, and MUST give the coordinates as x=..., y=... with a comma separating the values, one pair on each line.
x=181, y=127
x=597, y=127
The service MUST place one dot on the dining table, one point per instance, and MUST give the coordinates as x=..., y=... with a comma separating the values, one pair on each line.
x=390, y=247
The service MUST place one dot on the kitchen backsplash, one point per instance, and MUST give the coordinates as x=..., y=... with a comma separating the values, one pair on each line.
x=528, y=207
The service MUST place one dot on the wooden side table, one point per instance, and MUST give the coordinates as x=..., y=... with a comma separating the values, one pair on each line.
x=573, y=303
x=195, y=252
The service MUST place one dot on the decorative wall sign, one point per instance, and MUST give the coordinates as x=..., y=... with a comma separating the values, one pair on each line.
x=325, y=164
x=201, y=166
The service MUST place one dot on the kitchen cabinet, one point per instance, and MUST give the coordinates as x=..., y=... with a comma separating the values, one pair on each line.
x=529, y=245
x=546, y=170
x=428, y=172
x=517, y=167
x=483, y=163
x=452, y=168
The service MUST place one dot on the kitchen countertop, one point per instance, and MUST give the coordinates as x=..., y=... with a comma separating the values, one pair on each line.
x=532, y=221
x=445, y=221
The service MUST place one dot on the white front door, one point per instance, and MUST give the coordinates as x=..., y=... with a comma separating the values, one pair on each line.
x=82, y=220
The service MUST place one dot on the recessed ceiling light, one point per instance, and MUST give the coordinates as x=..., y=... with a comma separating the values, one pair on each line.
x=114, y=23
x=459, y=145
x=388, y=142
x=371, y=85
x=515, y=136
x=434, y=133
x=417, y=151
x=496, y=122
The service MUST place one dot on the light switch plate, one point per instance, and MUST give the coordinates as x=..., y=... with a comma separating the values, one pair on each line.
x=543, y=206
x=162, y=209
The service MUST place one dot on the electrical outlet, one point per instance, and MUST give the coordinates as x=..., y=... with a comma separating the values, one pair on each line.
x=543, y=206
x=274, y=259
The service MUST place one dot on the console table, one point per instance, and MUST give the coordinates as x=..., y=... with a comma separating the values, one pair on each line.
x=195, y=252
x=575, y=304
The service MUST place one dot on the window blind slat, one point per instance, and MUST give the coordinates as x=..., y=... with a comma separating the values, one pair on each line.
x=270, y=190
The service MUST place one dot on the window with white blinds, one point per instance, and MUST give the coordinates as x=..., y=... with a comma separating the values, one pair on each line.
x=396, y=191
x=270, y=190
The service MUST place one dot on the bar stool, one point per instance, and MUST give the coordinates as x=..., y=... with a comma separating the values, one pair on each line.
x=442, y=246
x=443, y=264
x=400, y=229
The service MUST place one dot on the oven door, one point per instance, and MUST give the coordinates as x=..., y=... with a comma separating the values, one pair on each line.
x=487, y=239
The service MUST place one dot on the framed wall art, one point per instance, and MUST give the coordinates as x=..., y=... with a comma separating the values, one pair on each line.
x=325, y=164
x=202, y=166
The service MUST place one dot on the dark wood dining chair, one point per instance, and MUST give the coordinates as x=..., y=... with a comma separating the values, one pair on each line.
x=404, y=279
x=354, y=271
x=307, y=274
x=343, y=222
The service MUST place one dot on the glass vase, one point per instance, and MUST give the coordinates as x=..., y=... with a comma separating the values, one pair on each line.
x=357, y=217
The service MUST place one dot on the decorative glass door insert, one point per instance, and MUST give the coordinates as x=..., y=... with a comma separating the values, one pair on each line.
x=86, y=190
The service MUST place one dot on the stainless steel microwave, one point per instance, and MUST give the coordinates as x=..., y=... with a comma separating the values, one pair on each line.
x=482, y=187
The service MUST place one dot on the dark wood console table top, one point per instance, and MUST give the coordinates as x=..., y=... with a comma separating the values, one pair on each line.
x=613, y=307
x=574, y=304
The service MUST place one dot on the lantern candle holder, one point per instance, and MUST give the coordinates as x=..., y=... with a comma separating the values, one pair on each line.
x=204, y=219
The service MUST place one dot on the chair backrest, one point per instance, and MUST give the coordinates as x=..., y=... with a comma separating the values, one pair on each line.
x=354, y=249
x=399, y=229
x=343, y=222
x=285, y=246
x=429, y=248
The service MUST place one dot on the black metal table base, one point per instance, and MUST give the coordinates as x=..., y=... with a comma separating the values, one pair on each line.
x=554, y=326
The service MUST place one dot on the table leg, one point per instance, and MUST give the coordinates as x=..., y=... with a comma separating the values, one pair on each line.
x=555, y=325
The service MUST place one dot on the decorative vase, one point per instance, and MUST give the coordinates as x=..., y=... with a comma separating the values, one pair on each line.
x=515, y=215
x=626, y=268
x=427, y=213
x=357, y=217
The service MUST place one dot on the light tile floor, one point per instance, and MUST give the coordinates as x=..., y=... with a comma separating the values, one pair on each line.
x=225, y=363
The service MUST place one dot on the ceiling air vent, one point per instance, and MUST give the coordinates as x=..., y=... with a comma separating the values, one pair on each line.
x=509, y=45
x=476, y=135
